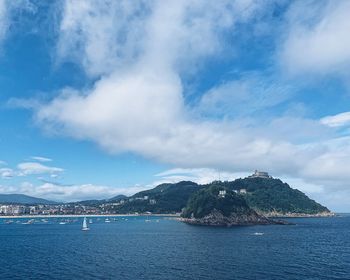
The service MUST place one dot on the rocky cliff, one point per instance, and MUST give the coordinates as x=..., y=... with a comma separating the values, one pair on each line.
x=217, y=218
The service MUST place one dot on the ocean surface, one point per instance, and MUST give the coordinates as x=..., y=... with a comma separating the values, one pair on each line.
x=132, y=248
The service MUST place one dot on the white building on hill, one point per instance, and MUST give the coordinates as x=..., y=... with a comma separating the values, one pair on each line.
x=260, y=174
x=222, y=193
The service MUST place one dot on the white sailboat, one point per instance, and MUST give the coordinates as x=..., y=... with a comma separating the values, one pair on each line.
x=85, y=226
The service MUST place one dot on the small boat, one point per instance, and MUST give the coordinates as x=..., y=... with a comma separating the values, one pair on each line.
x=8, y=222
x=85, y=226
x=62, y=223
x=258, y=233
x=107, y=220
x=29, y=222
x=90, y=221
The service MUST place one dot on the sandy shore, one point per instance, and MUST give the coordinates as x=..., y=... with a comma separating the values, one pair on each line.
x=87, y=215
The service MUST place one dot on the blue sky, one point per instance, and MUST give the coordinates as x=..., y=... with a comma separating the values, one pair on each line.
x=106, y=97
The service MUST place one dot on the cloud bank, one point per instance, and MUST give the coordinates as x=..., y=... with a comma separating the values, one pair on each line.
x=41, y=159
x=318, y=41
x=35, y=168
x=67, y=193
x=138, y=103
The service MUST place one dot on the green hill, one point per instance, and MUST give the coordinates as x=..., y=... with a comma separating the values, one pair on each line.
x=267, y=195
x=218, y=206
x=204, y=201
x=165, y=198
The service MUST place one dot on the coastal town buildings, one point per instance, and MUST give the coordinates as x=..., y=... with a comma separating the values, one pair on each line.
x=13, y=209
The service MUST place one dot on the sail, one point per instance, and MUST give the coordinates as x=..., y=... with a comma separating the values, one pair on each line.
x=85, y=227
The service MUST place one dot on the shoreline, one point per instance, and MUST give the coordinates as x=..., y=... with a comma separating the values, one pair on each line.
x=178, y=216
x=298, y=215
x=88, y=215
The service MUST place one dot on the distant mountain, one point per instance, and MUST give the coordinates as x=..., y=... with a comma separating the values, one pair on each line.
x=96, y=202
x=165, y=198
x=90, y=202
x=23, y=199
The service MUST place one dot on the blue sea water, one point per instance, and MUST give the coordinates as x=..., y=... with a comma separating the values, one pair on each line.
x=314, y=248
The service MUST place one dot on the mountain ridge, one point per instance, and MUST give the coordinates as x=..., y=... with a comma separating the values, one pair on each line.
x=24, y=199
x=267, y=196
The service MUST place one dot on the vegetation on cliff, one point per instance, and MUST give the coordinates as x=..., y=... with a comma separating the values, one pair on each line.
x=217, y=206
x=206, y=200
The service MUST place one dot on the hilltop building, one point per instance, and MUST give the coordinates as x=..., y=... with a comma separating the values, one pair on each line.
x=260, y=174
x=222, y=193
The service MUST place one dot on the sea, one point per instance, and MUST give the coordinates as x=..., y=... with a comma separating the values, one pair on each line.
x=164, y=248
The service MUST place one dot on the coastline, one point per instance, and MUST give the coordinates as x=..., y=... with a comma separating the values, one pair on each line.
x=297, y=215
x=87, y=215
x=177, y=216
x=201, y=222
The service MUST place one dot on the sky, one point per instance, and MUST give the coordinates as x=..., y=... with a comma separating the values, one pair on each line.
x=99, y=98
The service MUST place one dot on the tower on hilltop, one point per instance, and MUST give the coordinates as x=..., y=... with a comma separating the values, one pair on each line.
x=260, y=174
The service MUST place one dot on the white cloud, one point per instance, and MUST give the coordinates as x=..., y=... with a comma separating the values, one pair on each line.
x=108, y=36
x=7, y=173
x=140, y=107
x=101, y=35
x=69, y=193
x=318, y=40
x=8, y=9
x=3, y=19
x=339, y=120
x=198, y=175
x=41, y=159
x=35, y=168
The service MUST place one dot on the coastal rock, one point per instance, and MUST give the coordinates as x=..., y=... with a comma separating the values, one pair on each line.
x=216, y=218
